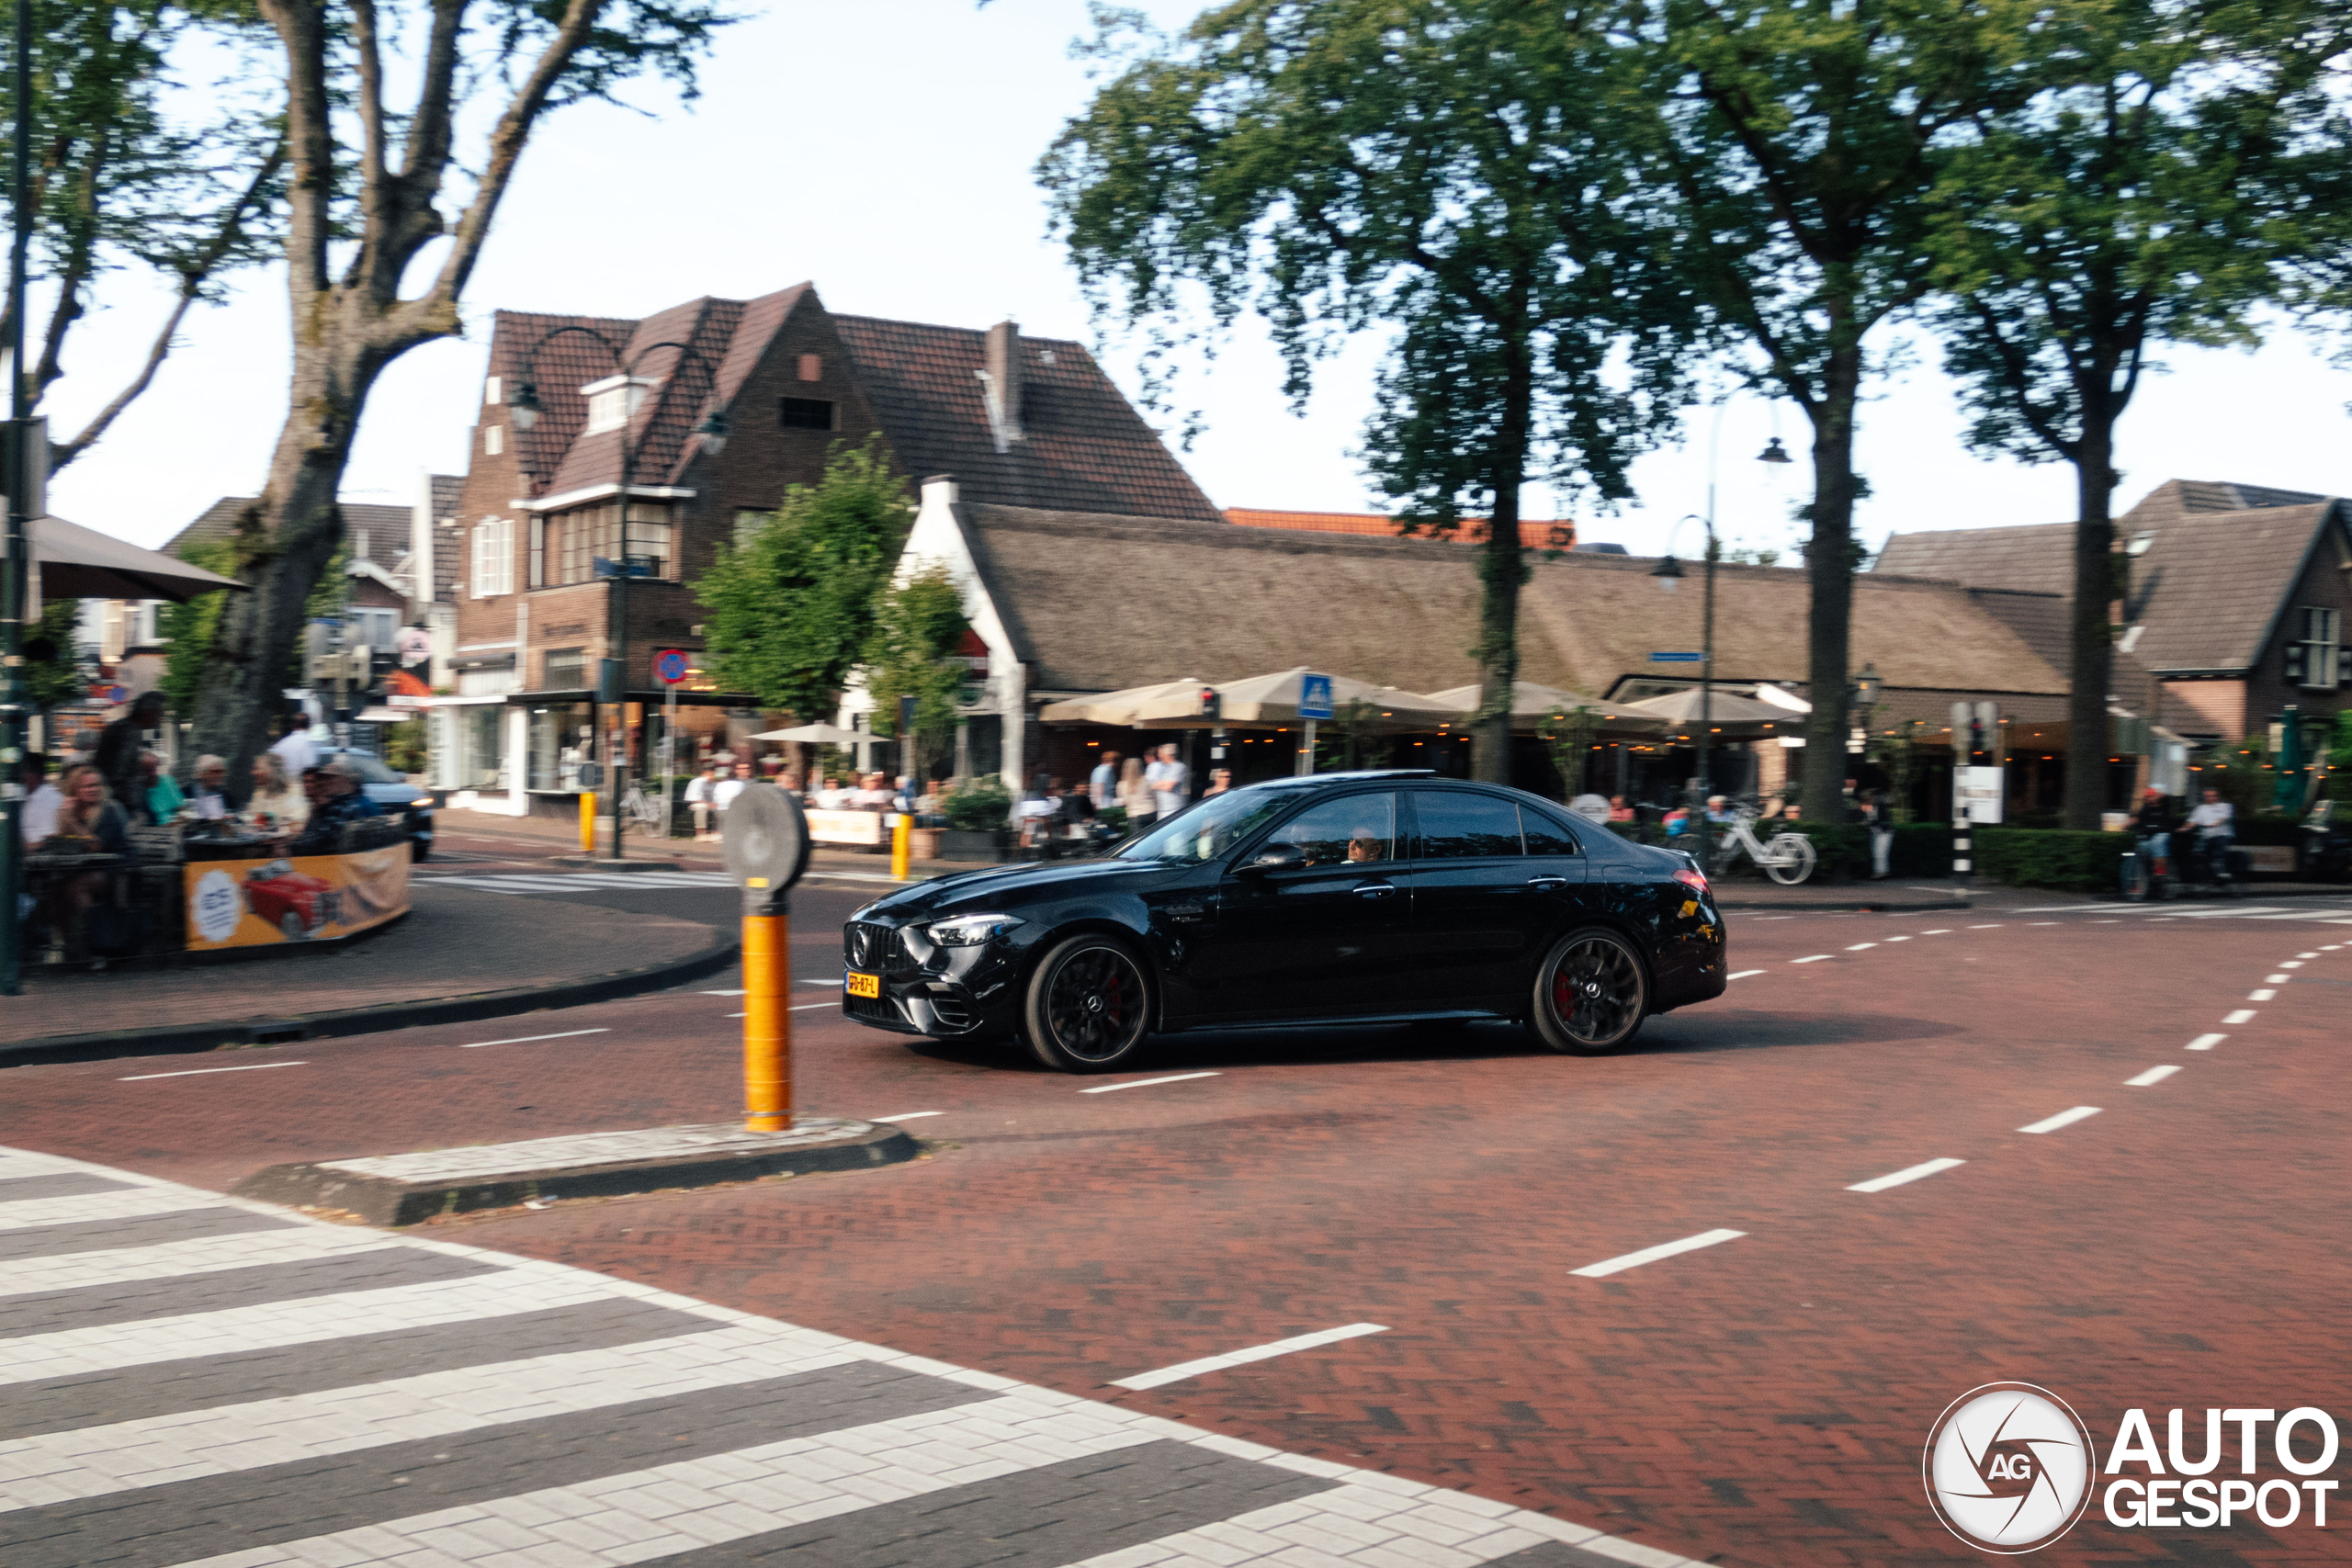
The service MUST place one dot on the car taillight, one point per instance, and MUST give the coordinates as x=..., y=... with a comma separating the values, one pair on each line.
x=1693, y=880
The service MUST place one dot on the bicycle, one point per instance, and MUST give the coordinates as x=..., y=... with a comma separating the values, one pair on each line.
x=639, y=810
x=2146, y=875
x=1786, y=858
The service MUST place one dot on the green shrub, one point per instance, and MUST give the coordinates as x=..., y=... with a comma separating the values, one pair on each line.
x=979, y=806
x=2070, y=862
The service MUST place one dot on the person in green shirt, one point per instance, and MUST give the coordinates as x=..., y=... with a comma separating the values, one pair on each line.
x=162, y=798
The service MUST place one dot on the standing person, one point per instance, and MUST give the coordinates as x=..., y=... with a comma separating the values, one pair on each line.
x=701, y=801
x=1102, y=783
x=1170, y=784
x=119, y=747
x=1878, y=818
x=295, y=749
x=1135, y=794
x=36, y=818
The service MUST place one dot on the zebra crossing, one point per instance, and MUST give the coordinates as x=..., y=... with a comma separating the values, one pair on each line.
x=188, y=1379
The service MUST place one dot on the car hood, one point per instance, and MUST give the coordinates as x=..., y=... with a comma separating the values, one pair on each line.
x=1010, y=887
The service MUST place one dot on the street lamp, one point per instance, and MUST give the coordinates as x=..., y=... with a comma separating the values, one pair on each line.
x=1668, y=572
x=525, y=409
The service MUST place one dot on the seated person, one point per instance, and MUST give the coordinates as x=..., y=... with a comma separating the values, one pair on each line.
x=89, y=822
x=1358, y=829
x=335, y=799
x=277, y=805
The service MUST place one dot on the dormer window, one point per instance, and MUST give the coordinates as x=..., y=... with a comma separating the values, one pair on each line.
x=613, y=400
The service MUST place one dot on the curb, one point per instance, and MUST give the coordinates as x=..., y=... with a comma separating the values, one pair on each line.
x=210, y=1036
x=383, y=1201
x=1864, y=906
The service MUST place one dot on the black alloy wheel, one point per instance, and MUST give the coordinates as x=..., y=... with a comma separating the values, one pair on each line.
x=1591, y=993
x=1089, y=1006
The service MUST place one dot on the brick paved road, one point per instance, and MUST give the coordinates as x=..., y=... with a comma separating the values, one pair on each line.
x=1757, y=1401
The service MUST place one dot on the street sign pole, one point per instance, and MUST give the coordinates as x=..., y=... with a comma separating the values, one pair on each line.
x=1314, y=704
x=766, y=839
x=15, y=568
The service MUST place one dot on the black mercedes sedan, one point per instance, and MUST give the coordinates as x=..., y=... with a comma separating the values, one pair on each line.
x=1354, y=898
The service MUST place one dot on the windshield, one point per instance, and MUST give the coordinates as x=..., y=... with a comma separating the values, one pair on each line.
x=371, y=769
x=1208, y=829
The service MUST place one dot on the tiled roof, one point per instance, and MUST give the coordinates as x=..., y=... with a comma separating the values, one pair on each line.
x=2205, y=592
x=387, y=526
x=1551, y=534
x=2045, y=623
x=449, y=493
x=1085, y=447
x=560, y=366
x=1219, y=602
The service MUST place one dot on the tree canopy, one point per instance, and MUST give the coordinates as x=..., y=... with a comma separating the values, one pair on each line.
x=918, y=626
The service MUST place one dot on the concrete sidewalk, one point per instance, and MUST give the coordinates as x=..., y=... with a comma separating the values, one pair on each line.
x=455, y=956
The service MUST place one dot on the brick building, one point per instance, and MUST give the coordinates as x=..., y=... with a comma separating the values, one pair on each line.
x=536, y=531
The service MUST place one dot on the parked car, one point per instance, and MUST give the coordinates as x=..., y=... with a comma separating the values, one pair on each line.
x=1345, y=896
x=295, y=902
x=2327, y=844
x=393, y=796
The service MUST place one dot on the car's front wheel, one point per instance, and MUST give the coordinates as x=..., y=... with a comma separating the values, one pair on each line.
x=1590, y=994
x=1088, y=1005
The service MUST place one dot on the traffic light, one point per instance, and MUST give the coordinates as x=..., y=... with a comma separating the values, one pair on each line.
x=1212, y=704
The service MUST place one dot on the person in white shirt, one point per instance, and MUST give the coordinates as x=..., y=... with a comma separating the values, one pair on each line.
x=701, y=791
x=36, y=818
x=300, y=752
x=2216, y=819
x=873, y=794
x=728, y=788
x=1170, y=782
x=1102, y=783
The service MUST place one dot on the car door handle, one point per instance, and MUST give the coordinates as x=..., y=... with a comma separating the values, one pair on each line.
x=1374, y=890
x=1547, y=882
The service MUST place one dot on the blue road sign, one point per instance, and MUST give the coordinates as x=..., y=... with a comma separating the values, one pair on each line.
x=1678, y=658
x=670, y=666
x=1315, y=696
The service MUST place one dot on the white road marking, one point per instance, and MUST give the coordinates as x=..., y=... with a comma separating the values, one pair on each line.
x=2206, y=1042
x=835, y=982
x=1652, y=1254
x=909, y=1115
x=1909, y=1173
x=2332, y=947
x=2064, y=1119
x=2262, y=995
x=809, y=1006
x=196, y=1072
x=2281, y=979
x=526, y=1039
x=2152, y=1076
x=1815, y=959
x=1183, y=1369
x=2296, y=962
x=1860, y=945
x=1744, y=974
x=733, y=993
x=2244, y=1015
x=2071, y=909
x=2042, y=922
x=1145, y=1083
x=1898, y=938
x=1939, y=931
x=1994, y=927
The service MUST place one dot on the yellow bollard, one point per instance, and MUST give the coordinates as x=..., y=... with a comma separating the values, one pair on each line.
x=767, y=1024
x=587, y=823
x=902, y=847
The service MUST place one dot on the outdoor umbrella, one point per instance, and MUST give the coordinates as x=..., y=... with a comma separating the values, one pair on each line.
x=73, y=563
x=1274, y=699
x=1531, y=704
x=817, y=735
x=1166, y=700
x=1723, y=711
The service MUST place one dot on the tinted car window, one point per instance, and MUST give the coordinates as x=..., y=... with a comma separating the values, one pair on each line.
x=1455, y=825
x=1205, y=830
x=371, y=769
x=1544, y=837
x=1353, y=827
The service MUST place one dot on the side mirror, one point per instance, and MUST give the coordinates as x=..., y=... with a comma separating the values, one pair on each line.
x=1274, y=857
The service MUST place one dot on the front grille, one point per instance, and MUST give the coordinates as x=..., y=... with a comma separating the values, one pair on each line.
x=877, y=1007
x=875, y=949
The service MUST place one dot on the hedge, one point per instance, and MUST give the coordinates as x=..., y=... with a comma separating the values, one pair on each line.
x=2048, y=857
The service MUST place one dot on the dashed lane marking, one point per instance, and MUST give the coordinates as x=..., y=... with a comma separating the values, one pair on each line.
x=2152, y=1076
x=1908, y=1174
x=2262, y=995
x=1860, y=945
x=526, y=1039
x=2064, y=1119
x=1745, y=974
x=199, y=1071
x=1939, y=931
x=910, y=1115
x=1896, y=938
x=1994, y=927
x=2244, y=1015
x=1652, y=1254
x=2206, y=1042
x=1183, y=1369
x=1146, y=1083
x=1815, y=959
x=2280, y=979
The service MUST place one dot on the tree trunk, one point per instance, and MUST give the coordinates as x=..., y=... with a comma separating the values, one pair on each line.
x=2092, y=674
x=1502, y=567
x=1829, y=574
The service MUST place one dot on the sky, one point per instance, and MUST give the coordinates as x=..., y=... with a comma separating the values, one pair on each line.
x=885, y=151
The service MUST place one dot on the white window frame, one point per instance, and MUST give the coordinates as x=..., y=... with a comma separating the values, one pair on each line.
x=493, y=440
x=2322, y=637
x=494, y=557
x=493, y=391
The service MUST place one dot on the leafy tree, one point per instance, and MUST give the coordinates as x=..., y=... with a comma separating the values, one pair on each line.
x=1568, y=732
x=51, y=674
x=792, y=607
x=365, y=182
x=191, y=627
x=1450, y=170
x=122, y=181
x=1796, y=143
x=918, y=626
x=2149, y=193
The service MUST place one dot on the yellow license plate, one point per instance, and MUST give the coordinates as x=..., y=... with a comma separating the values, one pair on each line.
x=864, y=985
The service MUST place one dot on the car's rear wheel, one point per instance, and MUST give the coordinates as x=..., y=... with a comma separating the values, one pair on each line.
x=292, y=924
x=1089, y=1006
x=1591, y=993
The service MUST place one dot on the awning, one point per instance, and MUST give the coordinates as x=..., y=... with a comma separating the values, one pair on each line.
x=1531, y=704
x=75, y=562
x=1274, y=699
x=1163, y=700
x=818, y=735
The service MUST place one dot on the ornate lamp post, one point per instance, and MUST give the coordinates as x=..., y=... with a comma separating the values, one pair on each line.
x=611, y=685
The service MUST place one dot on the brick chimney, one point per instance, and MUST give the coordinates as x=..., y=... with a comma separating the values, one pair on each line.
x=1002, y=379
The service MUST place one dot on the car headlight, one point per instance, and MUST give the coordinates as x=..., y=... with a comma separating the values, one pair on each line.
x=970, y=930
